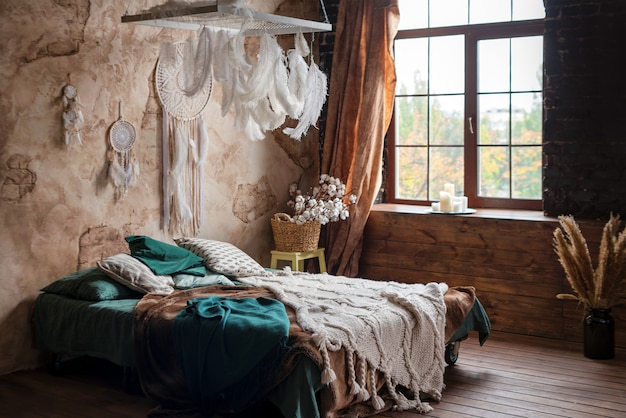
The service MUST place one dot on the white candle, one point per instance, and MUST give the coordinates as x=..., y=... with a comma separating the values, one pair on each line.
x=463, y=203
x=445, y=203
x=435, y=207
x=449, y=188
x=456, y=204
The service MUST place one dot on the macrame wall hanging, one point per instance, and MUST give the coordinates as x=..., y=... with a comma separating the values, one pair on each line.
x=260, y=93
x=183, y=84
x=72, y=116
x=123, y=166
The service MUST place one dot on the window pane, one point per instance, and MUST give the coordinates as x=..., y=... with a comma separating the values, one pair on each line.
x=493, y=119
x=446, y=166
x=489, y=11
x=493, y=180
x=411, y=116
x=430, y=133
x=447, y=62
x=526, y=172
x=527, y=63
x=411, y=61
x=528, y=9
x=413, y=14
x=411, y=173
x=527, y=116
x=448, y=13
x=446, y=120
x=493, y=65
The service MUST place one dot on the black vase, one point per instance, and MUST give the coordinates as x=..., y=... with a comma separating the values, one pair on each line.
x=599, y=334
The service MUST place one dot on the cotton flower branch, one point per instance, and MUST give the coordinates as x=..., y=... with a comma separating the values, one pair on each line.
x=326, y=202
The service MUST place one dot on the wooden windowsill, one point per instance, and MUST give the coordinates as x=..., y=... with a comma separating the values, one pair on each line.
x=513, y=214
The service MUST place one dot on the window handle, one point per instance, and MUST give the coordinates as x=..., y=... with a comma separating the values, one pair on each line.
x=471, y=126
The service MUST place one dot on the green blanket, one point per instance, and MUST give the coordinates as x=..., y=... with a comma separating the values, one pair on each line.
x=476, y=320
x=228, y=347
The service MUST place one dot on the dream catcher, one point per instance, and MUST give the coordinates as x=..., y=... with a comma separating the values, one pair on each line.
x=123, y=167
x=183, y=84
x=72, y=116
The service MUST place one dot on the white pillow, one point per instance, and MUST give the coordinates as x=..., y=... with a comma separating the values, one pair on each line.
x=136, y=275
x=222, y=257
x=187, y=281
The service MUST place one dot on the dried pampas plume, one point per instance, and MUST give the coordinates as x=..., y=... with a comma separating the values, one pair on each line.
x=600, y=288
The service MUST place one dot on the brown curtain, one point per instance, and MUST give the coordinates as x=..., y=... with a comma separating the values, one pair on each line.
x=360, y=104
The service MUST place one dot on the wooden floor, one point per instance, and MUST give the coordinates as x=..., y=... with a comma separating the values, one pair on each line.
x=510, y=375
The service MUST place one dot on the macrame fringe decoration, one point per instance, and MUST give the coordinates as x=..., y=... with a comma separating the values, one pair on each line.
x=185, y=148
x=72, y=116
x=261, y=95
x=184, y=84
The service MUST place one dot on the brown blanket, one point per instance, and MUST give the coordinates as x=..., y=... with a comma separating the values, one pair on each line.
x=162, y=377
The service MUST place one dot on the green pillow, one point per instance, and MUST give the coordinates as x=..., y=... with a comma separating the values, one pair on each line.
x=163, y=258
x=91, y=284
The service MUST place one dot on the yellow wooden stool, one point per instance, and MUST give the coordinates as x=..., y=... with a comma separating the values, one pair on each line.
x=297, y=259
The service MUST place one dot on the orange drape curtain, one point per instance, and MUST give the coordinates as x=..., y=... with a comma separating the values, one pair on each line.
x=360, y=105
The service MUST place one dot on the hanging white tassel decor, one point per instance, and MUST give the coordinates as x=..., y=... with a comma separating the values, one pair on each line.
x=184, y=84
x=72, y=116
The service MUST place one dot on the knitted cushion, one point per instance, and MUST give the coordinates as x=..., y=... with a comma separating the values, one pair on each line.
x=136, y=275
x=222, y=257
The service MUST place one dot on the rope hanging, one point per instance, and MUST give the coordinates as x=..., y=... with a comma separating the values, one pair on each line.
x=184, y=84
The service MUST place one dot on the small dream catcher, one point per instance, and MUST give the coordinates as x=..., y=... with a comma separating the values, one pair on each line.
x=123, y=167
x=72, y=116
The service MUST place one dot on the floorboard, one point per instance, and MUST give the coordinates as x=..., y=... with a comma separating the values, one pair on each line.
x=510, y=376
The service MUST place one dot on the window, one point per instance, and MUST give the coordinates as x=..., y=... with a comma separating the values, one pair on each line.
x=468, y=105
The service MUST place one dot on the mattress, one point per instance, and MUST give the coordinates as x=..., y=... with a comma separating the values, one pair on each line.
x=101, y=329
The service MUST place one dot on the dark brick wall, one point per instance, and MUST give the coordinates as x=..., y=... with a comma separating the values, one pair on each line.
x=326, y=46
x=585, y=105
x=585, y=108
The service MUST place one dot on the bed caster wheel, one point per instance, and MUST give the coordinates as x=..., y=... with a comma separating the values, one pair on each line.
x=54, y=364
x=451, y=354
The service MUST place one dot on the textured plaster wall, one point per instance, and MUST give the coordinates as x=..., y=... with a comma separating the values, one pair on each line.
x=58, y=210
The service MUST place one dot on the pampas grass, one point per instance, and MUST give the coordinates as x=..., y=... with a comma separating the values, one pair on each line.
x=600, y=288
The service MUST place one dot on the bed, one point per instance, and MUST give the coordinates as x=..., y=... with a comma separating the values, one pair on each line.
x=316, y=345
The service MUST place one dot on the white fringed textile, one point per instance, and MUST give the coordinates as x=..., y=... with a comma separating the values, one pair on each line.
x=184, y=85
x=397, y=329
x=185, y=147
x=261, y=95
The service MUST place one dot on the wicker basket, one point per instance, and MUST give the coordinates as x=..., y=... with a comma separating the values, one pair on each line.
x=291, y=237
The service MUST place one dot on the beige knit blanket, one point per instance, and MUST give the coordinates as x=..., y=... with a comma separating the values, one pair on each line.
x=397, y=329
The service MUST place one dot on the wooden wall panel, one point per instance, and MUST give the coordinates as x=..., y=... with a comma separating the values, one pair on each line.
x=507, y=256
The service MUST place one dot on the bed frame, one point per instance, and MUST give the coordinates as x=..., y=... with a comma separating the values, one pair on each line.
x=64, y=329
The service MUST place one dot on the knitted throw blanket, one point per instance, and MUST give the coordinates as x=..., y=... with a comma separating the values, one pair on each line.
x=394, y=328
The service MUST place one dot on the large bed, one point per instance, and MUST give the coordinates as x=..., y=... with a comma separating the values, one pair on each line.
x=238, y=335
